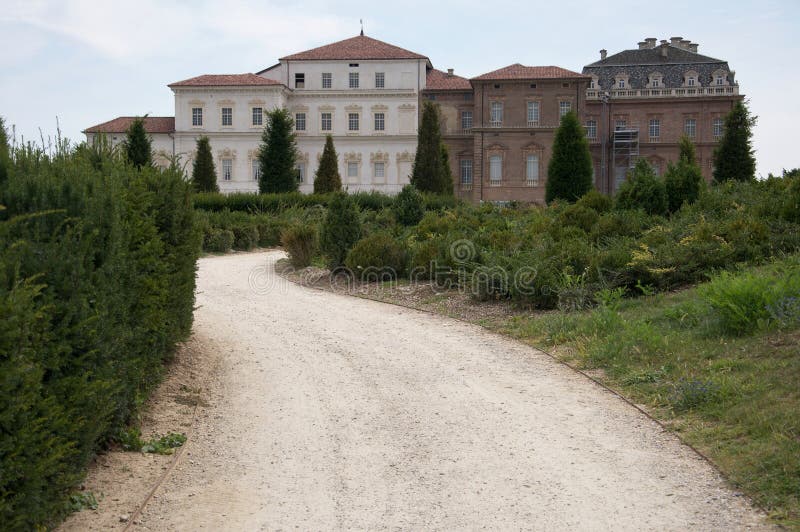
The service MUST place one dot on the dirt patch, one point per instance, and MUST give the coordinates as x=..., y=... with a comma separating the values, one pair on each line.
x=121, y=481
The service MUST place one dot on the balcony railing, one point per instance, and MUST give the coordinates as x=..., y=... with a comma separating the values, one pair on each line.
x=682, y=92
x=495, y=123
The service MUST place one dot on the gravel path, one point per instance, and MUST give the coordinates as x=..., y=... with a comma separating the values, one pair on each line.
x=335, y=412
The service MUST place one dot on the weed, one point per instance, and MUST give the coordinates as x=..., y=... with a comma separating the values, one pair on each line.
x=689, y=394
x=82, y=500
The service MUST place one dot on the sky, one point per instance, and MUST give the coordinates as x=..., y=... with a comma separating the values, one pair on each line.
x=77, y=63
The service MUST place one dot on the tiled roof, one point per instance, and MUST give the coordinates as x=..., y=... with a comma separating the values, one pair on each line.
x=152, y=124
x=359, y=47
x=639, y=64
x=518, y=71
x=225, y=80
x=438, y=81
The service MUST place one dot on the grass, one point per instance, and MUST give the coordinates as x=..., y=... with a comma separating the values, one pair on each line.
x=733, y=393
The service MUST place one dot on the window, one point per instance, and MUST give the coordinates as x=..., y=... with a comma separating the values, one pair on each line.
x=690, y=81
x=197, y=116
x=620, y=124
x=720, y=80
x=655, y=128
x=352, y=169
x=227, y=169
x=301, y=172
x=591, y=129
x=352, y=122
x=533, y=114
x=256, y=166
x=227, y=116
x=466, y=172
x=620, y=83
x=380, y=122
x=327, y=80
x=258, y=116
x=353, y=65
x=466, y=120
x=592, y=84
x=380, y=80
x=353, y=80
x=495, y=169
x=690, y=127
x=299, y=81
x=326, y=122
x=656, y=83
x=496, y=114
x=564, y=108
x=380, y=170
x=716, y=127
x=532, y=170
x=300, y=121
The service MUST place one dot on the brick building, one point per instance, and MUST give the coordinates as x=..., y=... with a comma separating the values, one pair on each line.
x=641, y=101
x=499, y=127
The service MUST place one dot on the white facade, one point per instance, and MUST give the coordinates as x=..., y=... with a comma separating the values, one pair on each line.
x=374, y=127
x=162, y=144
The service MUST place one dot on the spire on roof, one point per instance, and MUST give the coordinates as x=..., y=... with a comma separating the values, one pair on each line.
x=361, y=20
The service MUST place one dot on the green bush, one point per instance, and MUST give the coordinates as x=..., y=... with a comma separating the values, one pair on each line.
x=340, y=230
x=600, y=203
x=245, y=236
x=577, y=215
x=791, y=205
x=300, y=242
x=682, y=184
x=97, y=279
x=218, y=240
x=643, y=190
x=378, y=256
x=408, y=206
x=746, y=302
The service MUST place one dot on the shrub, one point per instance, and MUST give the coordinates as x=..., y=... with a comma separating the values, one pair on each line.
x=745, y=302
x=791, y=205
x=577, y=215
x=600, y=203
x=327, y=178
x=643, y=190
x=408, y=206
x=218, y=240
x=377, y=257
x=340, y=230
x=245, y=236
x=300, y=242
x=682, y=184
x=97, y=279
x=569, y=172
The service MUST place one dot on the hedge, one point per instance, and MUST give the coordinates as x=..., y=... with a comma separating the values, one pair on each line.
x=97, y=279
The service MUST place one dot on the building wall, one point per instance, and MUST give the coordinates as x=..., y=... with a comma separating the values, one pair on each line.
x=672, y=114
x=162, y=144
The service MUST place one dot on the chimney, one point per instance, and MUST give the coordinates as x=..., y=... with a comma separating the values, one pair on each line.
x=675, y=41
x=693, y=47
x=685, y=44
x=664, y=48
x=450, y=72
x=642, y=45
x=651, y=42
x=603, y=54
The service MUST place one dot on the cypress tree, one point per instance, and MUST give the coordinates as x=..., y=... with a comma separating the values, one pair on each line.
x=137, y=145
x=341, y=229
x=204, y=175
x=327, y=178
x=733, y=158
x=5, y=151
x=569, y=174
x=426, y=176
x=687, y=150
x=446, y=183
x=278, y=154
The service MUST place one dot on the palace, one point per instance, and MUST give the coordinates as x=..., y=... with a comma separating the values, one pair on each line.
x=499, y=127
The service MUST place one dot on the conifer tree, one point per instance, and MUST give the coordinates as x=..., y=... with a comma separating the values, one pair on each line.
x=278, y=154
x=5, y=151
x=341, y=229
x=683, y=181
x=643, y=190
x=204, y=175
x=569, y=174
x=327, y=178
x=446, y=184
x=138, y=149
x=426, y=175
x=733, y=158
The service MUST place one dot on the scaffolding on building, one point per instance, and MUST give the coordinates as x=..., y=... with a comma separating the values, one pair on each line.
x=625, y=152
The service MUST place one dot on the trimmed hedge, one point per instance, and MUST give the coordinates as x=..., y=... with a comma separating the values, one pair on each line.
x=276, y=203
x=97, y=279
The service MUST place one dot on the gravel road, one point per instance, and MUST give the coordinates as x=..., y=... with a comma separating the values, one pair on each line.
x=340, y=413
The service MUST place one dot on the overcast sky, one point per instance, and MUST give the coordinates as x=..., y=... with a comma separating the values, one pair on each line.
x=86, y=62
